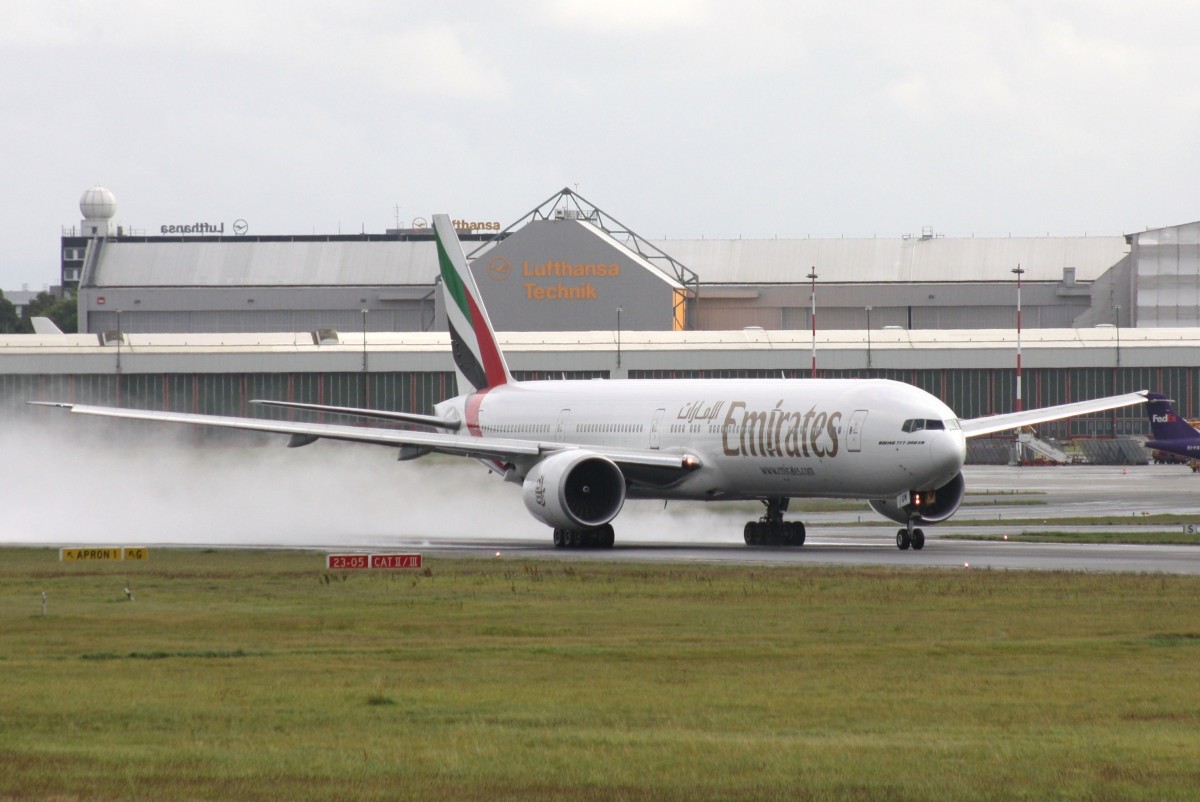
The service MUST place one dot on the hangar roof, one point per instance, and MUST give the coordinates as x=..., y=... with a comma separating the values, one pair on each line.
x=745, y=341
x=898, y=259
x=367, y=261
x=275, y=262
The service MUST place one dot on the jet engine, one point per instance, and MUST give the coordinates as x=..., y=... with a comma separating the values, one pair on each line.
x=574, y=490
x=925, y=506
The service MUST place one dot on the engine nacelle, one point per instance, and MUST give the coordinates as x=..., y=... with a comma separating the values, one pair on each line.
x=925, y=506
x=574, y=490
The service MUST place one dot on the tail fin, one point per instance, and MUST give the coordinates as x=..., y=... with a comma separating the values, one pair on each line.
x=1164, y=423
x=478, y=362
x=44, y=325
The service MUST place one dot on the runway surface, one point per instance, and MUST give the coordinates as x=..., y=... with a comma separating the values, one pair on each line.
x=361, y=499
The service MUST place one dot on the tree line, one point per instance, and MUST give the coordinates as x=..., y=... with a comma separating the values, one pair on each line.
x=63, y=311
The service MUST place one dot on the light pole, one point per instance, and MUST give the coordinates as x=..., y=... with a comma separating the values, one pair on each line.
x=868, y=341
x=120, y=336
x=618, y=338
x=1019, y=273
x=366, y=389
x=813, y=276
x=1117, y=369
x=1117, y=310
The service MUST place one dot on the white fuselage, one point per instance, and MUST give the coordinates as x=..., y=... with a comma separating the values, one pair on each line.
x=755, y=438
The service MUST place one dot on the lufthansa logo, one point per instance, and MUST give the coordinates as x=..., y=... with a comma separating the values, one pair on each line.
x=499, y=268
x=240, y=227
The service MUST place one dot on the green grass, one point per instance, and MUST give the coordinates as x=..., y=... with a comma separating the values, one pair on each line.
x=260, y=676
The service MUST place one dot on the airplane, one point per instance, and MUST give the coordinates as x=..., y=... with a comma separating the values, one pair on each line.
x=1168, y=431
x=580, y=449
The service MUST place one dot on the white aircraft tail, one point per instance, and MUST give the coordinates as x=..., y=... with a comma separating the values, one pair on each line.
x=478, y=362
x=44, y=325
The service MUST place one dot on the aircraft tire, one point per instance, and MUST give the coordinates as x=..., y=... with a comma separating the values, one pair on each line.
x=918, y=539
x=902, y=540
x=559, y=538
x=749, y=534
x=797, y=533
x=607, y=537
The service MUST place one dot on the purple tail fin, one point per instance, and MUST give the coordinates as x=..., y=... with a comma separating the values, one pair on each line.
x=1165, y=424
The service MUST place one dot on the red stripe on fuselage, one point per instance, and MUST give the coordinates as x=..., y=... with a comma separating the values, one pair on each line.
x=489, y=352
x=474, y=400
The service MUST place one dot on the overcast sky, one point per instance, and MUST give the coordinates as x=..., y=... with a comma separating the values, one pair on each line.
x=682, y=119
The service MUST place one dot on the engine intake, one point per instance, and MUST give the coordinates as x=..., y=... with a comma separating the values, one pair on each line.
x=924, y=506
x=574, y=489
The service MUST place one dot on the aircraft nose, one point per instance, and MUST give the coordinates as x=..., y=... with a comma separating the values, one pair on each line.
x=947, y=453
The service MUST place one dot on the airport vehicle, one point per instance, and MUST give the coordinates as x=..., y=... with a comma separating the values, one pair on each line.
x=579, y=449
x=1170, y=433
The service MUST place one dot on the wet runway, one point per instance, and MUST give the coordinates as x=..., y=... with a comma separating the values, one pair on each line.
x=995, y=494
x=344, y=501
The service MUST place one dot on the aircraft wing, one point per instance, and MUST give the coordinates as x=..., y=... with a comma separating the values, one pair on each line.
x=974, y=427
x=490, y=448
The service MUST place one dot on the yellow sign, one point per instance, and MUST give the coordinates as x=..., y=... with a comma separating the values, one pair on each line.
x=73, y=555
x=108, y=553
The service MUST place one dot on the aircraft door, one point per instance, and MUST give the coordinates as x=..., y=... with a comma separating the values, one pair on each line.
x=656, y=428
x=854, y=430
x=560, y=429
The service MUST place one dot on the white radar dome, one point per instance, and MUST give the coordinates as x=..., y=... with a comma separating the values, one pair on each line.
x=98, y=204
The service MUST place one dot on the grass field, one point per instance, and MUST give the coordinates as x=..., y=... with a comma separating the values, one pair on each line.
x=261, y=676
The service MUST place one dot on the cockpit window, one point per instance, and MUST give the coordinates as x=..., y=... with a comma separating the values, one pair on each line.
x=921, y=424
x=953, y=425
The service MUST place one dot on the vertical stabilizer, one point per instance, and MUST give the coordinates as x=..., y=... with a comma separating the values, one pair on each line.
x=478, y=362
x=1164, y=423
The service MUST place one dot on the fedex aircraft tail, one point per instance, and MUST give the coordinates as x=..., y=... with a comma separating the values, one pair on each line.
x=478, y=362
x=1164, y=423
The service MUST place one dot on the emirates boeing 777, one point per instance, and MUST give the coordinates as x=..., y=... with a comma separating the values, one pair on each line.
x=579, y=449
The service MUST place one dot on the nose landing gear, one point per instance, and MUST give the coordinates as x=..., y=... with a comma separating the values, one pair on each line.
x=908, y=536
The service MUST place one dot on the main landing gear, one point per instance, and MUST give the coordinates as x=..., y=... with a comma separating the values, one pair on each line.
x=910, y=537
x=599, y=537
x=772, y=530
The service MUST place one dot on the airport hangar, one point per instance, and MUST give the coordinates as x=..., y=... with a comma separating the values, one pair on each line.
x=204, y=322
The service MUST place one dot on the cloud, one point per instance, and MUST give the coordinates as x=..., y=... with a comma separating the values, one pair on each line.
x=628, y=16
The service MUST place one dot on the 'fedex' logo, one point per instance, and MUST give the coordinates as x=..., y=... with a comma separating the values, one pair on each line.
x=1168, y=418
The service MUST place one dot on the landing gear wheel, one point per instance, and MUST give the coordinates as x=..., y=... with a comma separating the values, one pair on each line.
x=559, y=539
x=771, y=529
x=918, y=539
x=902, y=540
x=607, y=536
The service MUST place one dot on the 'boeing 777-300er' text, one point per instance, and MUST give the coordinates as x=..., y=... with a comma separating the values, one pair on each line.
x=579, y=449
